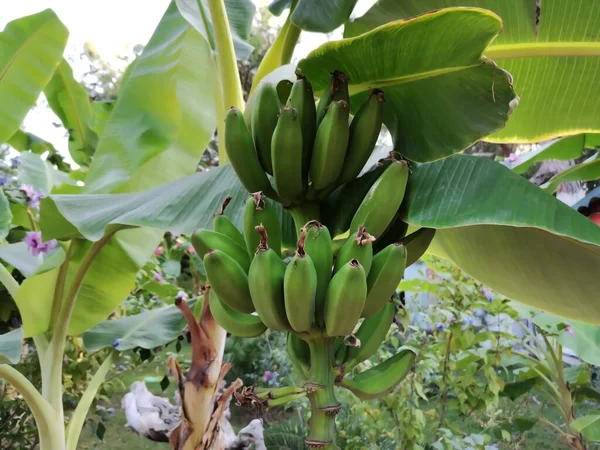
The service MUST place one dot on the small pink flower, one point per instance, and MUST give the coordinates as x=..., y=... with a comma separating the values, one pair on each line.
x=33, y=240
x=159, y=251
x=181, y=295
x=175, y=234
x=570, y=330
x=430, y=273
x=177, y=244
x=158, y=277
x=191, y=249
x=27, y=189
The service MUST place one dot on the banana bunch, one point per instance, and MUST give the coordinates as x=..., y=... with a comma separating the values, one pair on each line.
x=294, y=150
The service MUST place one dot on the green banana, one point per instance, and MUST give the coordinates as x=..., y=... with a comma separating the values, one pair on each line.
x=299, y=353
x=269, y=393
x=395, y=232
x=384, y=277
x=331, y=142
x=228, y=280
x=260, y=211
x=345, y=299
x=339, y=207
x=236, y=323
x=266, y=276
x=243, y=156
x=264, y=120
x=338, y=90
x=358, y=246
x=300, y=288
x=319, y=247
x=222, y=224
x=370, y=335
x=206, y=240
x=286, y=156
x=417, y=244
x=381, y=379
x=364, y=131
x=379, y=207
x=303, y=99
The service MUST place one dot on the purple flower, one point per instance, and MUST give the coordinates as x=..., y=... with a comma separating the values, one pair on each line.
x=468, y=321
x=570, y=330
x=27, y=189
x=3, y=181
x=181, y=295
x=487, y=294
x=439, y=327
x=452, y=319
x=33, y=196
x=110, y=411
x=158, y=277
x=121, y=368
x=116, y=343
x=14, y=162
x=158, y=251
x=175, y=234
x=268, y=376
x=33, y=239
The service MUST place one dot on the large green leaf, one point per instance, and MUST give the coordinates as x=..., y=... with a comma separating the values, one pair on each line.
x=183, y=206
x=11, y=346
x=69, y=101
x=239, y=12
x=564, y=149
x=164, y=114
x=5, y=216
x=40, y=174
x=156, y=133
x=509, y=234
x=441, y=93
x=552, y=54
x=30, y=49
x=320, y=16
x=589, y=170
x=588, y=426
x=148, y=329
x=23, y=141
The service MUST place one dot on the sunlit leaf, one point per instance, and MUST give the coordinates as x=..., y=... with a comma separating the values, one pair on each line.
x=31, y=48
x=40, y=174
x=588, y=426
x=589, y=170
x=6, y=216
x=11, y=346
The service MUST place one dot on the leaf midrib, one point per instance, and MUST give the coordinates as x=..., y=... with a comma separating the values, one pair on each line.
x=71, y=96
x=542, y=49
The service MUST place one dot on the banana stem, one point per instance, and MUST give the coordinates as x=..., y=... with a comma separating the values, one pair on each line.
x=323, y=404
x=304, y=213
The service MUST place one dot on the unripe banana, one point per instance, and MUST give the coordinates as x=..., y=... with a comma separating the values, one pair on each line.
x=331, y=142
x=381, y=379
x=299, y=353
x=283, y=400
x=364, y=131
x=207, y=240
x=384, y=277
x=266, y=276
x=337, y=90
x=222, y=224
x=370, y=335
x=300, y=288
x=286, y=156
x=260, y=211
x=358, y=246
x=228, y=280
x=243, y=156
x=269, y=393
x=264, y=119
x=345, y=299
x=303, y=99
x=379, y=207
x=319, y=247
x=236, y=323
x=339, y=207
x=417, y=244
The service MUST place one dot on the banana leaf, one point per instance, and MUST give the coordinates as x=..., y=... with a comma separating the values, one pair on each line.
x=441, y=94
x=11, y=346
x=551, y=50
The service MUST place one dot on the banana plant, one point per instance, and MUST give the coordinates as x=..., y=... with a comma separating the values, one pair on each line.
x=449, y=77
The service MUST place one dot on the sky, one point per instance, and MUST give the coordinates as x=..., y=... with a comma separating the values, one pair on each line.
x=114, y=27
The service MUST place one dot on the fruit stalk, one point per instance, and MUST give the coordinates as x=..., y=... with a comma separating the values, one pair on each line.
x=304, y=213
x=323, y=404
